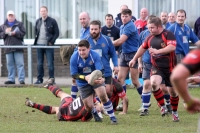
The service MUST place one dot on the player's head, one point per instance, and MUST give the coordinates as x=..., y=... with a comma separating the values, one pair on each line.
x=84, y=19
x=126, y=16
x=164, y=17
x=95, y=28
x=181, y=16
x=154, y=25
x=83, y=48
x=172, y=17
x=109, y=20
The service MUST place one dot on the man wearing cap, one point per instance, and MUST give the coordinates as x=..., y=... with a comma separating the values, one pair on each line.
x=13, y=32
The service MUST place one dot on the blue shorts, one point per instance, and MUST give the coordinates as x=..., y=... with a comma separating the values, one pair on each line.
x=126, y=58
x=146, y=70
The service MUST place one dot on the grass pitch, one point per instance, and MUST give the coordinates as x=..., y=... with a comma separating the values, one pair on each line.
x=15, y=117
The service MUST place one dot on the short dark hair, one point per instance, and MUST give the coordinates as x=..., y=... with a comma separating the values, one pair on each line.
x=109, y=15
x=156, y=21
x=84, y=43
x=96, y=22
x=127, y=11
x=151, y=16
x=181, y=11
x=44, y=7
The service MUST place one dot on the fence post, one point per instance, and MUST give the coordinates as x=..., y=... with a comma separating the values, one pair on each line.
x=30, y=76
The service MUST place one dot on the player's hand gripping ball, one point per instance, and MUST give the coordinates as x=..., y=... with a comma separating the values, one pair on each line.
x=96, y=74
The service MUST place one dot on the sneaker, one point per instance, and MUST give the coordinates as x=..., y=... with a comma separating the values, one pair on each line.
x=163, y=111
x=38, y=82
x=96, y=117
x=175, y=117
x=9, y=82
x=29, y=103
x=22, y=82
x=169, y=108
x=113, y=121
x=50, y=81
x=144, y=112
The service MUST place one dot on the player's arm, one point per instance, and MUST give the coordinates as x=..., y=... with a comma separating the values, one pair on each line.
x=125, y=105
x=166, y=50
x=121, y=40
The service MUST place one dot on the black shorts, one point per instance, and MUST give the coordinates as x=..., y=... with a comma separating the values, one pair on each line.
x=126, y=58
x=163, y=73
x=108, y=80
x=88, y=90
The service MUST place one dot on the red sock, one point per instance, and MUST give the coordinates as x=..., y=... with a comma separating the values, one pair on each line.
x=159, y=96
x=174, y=102
x=44, y=108
x=54, y=89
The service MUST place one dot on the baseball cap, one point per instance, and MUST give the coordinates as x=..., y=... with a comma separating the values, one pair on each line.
x=10, y=12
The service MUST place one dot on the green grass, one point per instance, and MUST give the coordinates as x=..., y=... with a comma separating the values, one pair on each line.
x=15, y=117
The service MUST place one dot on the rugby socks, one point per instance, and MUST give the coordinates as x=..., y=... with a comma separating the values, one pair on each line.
x=74, y=91
x=139, y=89
x=174, y=102
x=109, y=108
x=124, y=87
x=54, y=89
x=167, y=99
x=44, y=108
x=98, y=99
x=146, y=99
x=159, y=96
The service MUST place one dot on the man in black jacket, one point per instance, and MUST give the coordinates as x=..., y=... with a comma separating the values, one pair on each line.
x=46, y=30
x=13, y=32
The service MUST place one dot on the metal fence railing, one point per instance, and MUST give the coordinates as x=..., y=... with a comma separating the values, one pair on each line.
x=29, y=58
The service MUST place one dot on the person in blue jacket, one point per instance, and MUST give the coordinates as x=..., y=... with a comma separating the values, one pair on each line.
x=183, y=34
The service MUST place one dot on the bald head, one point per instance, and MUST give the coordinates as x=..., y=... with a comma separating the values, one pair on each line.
x=164, y=17
x=84, y=19
x=172, y=17
x=144, y=13
x=123, y=7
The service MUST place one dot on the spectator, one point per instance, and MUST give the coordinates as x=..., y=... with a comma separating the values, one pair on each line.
x=164, y=18
x=13, y=32
x=46, y=30
x=142, y=21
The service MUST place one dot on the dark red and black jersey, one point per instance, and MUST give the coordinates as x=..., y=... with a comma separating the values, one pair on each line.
x=192, y=61
x=70, y=110
x=118, y=92
x=162, y=61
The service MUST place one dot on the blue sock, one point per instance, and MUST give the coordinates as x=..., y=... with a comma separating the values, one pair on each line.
x=124, y=87
x=98, y=99
x=109, y=108
x=139, y=89
x=146, y=99
x=74, y=91
x=167, y=98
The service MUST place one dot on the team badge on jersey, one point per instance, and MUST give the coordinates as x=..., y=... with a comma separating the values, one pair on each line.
x=103, y=45
x=163, y=45
x=91, y=62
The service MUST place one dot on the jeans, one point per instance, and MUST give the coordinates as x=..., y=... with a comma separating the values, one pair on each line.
x=49, y=52
x=12, y=59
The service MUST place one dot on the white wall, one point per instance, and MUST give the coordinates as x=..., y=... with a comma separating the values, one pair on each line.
x=114, y=6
